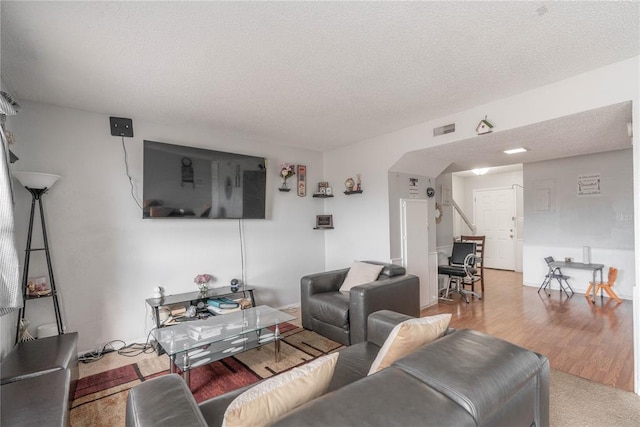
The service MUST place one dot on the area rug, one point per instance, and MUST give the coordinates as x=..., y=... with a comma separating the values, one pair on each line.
x=100, y=399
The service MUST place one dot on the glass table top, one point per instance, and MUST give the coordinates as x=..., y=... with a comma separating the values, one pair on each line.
x=232, y=328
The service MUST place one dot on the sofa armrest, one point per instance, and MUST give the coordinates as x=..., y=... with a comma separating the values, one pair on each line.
x=400, y=294
x=41, y=400
x=543, y=384
x=163, y=401
x=381, y=323
x=213, y=409
x=328, y=281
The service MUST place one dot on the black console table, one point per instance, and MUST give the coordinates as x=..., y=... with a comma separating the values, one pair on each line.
x=192, y=298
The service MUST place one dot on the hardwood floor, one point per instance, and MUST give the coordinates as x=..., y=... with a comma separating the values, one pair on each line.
x=583, y=339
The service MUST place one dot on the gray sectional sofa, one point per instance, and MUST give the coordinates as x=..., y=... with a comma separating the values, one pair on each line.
x=38, y=380
x=465, y=378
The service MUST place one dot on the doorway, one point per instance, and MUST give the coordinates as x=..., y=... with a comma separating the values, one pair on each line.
x=494, y=214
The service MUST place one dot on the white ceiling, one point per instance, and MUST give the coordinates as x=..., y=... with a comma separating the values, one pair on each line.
x=595, y=131
x=312, y=74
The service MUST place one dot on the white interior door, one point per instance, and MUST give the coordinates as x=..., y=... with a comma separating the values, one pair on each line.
x=415, y=246
x=494, y=214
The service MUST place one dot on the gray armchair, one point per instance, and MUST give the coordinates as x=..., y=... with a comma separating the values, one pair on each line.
x=342, y=316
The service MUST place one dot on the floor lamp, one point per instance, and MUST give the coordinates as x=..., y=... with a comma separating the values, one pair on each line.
x=37, y=184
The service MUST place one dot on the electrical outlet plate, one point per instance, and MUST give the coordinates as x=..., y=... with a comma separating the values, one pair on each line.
x=121, y=126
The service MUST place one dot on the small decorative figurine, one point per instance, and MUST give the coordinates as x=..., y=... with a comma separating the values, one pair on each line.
x=158, y=292
x=349, y=184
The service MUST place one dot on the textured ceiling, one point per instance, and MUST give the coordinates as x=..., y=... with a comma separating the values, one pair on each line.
x=595, y=131
x=311, y=74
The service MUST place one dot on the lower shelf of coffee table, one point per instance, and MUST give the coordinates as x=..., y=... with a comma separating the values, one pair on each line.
x=209, y=353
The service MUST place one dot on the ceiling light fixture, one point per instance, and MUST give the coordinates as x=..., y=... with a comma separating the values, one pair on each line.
x=515, y=151
x=480, y=171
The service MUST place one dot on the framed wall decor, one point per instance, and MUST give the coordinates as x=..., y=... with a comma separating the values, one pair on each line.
x=324, y=221
x=302, y=180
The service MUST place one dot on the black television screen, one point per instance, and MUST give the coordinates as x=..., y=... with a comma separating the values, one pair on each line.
x=189, y=182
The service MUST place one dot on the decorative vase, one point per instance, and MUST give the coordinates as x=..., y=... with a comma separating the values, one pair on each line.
x=284, y=186
x=203, y=287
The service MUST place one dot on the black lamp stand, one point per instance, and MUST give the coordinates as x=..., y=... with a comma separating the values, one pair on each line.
x=36, y=195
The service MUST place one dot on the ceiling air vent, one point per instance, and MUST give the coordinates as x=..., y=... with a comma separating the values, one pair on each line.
x=442, y=130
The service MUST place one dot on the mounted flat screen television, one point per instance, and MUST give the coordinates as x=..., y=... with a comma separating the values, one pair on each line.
x=189, y=182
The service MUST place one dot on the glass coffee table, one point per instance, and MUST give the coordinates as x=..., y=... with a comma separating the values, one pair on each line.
x=199, y=342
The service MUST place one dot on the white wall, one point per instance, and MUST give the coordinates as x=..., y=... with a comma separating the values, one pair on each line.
x=107, y=259
x=603, y=222
x=636, y=221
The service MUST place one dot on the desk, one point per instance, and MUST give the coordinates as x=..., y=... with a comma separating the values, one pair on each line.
x=580, y=266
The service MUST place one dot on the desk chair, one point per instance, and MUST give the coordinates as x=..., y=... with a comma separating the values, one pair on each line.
x=612, y=276
x=479, y=274
x=462, y=266
x=555, y=273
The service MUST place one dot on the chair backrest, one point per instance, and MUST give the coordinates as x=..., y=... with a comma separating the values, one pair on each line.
x=549, y=260
x=460, y=252
x=613, y=275
x=479, y=241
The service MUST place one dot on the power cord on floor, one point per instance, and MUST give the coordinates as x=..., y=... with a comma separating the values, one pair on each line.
x=130, y=350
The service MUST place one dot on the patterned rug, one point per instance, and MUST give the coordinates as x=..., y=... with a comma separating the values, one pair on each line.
x=100, y=399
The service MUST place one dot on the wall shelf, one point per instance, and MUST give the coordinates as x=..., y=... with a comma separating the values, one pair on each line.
x=322, y=196
x=348, y=193
x=323, y=228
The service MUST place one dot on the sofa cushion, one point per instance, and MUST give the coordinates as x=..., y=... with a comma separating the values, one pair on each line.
x=271, y=399
x=360, y=273
x=331, y=308
x=390, y=398
x=407, y=336
x=32, y=358
x=477, y=371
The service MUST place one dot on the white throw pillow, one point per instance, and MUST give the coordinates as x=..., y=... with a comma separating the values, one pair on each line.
x=407, y=336
x=359, y=274
x=274, y=397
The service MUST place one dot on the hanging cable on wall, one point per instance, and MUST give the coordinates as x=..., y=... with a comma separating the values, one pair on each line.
x=242, y=253
x=126, y=166
x=123, y=127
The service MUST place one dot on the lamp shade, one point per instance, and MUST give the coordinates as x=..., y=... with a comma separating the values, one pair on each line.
x=36, y=180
